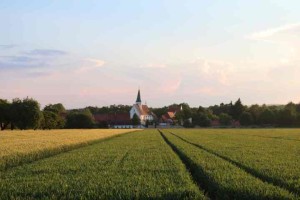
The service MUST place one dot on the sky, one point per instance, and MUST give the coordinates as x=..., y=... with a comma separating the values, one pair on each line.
x=97, y=53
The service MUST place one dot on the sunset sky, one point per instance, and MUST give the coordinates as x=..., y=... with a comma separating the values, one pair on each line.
x=203, y=52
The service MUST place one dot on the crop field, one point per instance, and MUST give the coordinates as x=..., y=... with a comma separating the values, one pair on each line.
x=138, y=165
x=24, y=146
x=274, y=158
x=158, y=164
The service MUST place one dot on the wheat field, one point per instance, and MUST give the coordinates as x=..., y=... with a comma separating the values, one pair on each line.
x=17, y=147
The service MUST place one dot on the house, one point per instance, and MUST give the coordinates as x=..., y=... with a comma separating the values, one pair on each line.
x=169, y=117
x=142, y=111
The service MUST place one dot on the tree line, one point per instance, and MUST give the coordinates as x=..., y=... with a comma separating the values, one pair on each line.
x=236, y=114
x=27, y=114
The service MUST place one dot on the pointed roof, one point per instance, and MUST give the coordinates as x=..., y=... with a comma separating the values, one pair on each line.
x=138, y=98
x=142, y=109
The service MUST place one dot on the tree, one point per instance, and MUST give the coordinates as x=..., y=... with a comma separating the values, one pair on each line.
x=237, y=109
x=184, y=114
x=160, y=111
x=135, y=120
x=225, y=119
x=255, y=111
x=202, y=117
x=246, y=119
x=267, y=117
x=56, y=108
x=187, y=123
x=5, y=116
x=110, y=109
x=50, y=120
x=203, y=120
x=222, y=108
x=103, y=124
x=26, y=113
x=288, y=116
x=59, y=110
x=80, y=120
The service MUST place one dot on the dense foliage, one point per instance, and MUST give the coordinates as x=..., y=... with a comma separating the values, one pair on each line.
x=110, y=109
x=26, y=114
x=83, y=119
x=236, y=114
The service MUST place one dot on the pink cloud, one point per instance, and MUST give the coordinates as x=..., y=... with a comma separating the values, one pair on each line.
x=90, y=64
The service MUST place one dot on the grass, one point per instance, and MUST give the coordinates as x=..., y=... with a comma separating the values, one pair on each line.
x=138, y=165
x=17, y=147
x=220, y=178
x=270, y=154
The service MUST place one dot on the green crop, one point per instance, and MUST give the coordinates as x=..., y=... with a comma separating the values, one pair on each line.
x=221, y=178
x=138, y=165
x=151, y=164
x=273, y=155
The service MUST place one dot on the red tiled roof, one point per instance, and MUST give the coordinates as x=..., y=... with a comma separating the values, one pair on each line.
x=111, y=118
x=166, y=119
x=171, y=114
x=143, y=109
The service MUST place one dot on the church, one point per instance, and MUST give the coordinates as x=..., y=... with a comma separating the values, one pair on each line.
x=142, y=111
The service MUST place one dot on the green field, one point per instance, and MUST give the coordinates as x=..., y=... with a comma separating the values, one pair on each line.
x=164, y=164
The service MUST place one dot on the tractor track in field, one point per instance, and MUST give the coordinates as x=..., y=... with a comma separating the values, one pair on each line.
x=190, y=167
x=48, y=153
x=249, y=170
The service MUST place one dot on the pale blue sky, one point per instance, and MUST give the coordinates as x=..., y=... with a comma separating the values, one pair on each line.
x=202, y=52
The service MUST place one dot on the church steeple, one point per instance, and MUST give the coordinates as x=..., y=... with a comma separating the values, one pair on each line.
x=138, y=98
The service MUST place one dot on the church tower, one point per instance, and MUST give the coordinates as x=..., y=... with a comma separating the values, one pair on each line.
x=138, y=98
x=142, y=111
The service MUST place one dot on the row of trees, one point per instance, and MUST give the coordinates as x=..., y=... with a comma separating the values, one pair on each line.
x=26, y=114
x=232, y=114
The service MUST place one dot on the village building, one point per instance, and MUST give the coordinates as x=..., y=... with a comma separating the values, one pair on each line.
x=114, y=120
x=142, y=111
x=169, y=118
x=124, y=120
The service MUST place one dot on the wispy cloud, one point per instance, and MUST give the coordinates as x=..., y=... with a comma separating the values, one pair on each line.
x=18, y=59
x=90, y=64
x=38, y=58
x=8, y=65
x=96, y=62
x=265, y=34
x=46, y=52
x=7, y=46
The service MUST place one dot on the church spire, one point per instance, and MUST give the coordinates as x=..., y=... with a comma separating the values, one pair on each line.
x=138, y=98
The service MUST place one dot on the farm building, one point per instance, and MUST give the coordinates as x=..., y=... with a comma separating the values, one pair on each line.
x=169, y=117
x=114, y=120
